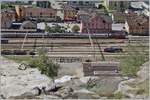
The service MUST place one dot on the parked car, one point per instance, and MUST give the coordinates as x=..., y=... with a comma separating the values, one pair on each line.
x=113, y=49
x=31, y=53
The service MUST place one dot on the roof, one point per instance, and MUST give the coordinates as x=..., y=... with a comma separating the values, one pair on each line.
x=137, y=5
x=92, y=14
x=7, y=10
x=66, y=7
x=107, y=18
x=137, y=20
x=28, y=23
x=15, y=26
x=118, y=27
x=81, y=0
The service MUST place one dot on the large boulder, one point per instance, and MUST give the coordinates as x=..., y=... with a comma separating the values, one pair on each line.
x=143, y=73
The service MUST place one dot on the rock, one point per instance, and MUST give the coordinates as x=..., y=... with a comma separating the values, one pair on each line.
x=29, y=95
x=53, y=87
x=64, y=92
x=141, y=97
x=143, y=73
x=2, y=97
x=64, y=79
x=47, y=97
x=18, y=82
x=83, y=91
x=86, y=79
x=85, y=94
x=107, y=85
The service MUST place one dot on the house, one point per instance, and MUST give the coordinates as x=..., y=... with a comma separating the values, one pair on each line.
x=26, y=26
x=41, y=14
x=70, y=14
x=96, y=23
x=20, y=11
x=79, y=4
x=36, y=13
x=118, y=17
x=118, y=5
x=137, y=25
x=7, y=17
x=43, y=4
x=101, y=68
x=139, y=7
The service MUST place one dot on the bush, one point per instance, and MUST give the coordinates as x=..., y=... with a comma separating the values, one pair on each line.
x=140, y=91
x=118, y=95
x=44, y=64
x=75, y=28
x=54, y=29
x=34, y=62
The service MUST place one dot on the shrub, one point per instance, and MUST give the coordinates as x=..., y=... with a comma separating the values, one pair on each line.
x=118, y=95
x=34, y=62
x=75, y=28
x=140, y=91
x=44, y=64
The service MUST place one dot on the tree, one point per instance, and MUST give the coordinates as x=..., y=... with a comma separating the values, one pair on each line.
x=75, y=28
x=44, y=64
x=54, y=29
x=47, y=28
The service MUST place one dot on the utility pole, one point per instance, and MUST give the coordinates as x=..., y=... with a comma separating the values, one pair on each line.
x=86, y=20
x=101, y=52
x=24, y=41
x=34, y=47
x=91, y=41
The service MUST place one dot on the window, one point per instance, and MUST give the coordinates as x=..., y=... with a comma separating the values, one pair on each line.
x=51, y=14
x=88, y=24
x=40, y=14
x=20, y=10
x=74, y=2
x=104, y=21
x=30, y=14
x=87, y=2
x=139, y=24
x=80, y=2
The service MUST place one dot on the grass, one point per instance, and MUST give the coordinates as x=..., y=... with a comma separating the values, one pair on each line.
x=118, y=95
x=131, y=64
x=140, y=88
x=18, y=58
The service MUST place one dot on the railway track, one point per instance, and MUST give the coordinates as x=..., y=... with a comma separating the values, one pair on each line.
x=75, y=46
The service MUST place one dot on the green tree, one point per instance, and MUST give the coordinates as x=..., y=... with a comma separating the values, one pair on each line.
x=54, y=29
x=47, y=28
x=75, y=28
x=44, y=64
x=7, y=5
